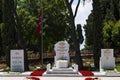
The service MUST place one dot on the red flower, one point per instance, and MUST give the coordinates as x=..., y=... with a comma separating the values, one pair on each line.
x=33, y=78
x=89, y=78
x=86, y=73
x=37, y=73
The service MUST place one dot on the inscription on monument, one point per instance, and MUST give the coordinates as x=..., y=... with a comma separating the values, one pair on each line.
x=107, y=60
x=61, y=48
x=17, y=60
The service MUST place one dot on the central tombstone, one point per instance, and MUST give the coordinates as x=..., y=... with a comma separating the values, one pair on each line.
x=61, y=58
x=61, y=62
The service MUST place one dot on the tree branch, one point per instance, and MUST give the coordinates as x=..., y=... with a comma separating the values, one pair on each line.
x=71, y=2
x=69, y=8
x=77, y=8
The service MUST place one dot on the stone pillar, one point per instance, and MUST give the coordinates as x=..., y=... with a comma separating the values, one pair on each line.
x=48, y=66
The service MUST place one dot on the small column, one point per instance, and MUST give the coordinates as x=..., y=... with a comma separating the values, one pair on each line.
x=48, y=66
x=75, y=67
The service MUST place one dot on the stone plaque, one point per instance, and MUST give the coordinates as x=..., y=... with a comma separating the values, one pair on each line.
x=107, y=59
x=17, y=60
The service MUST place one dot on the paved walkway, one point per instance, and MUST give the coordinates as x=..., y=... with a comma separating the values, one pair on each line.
x=59, y=78
x=22, y=76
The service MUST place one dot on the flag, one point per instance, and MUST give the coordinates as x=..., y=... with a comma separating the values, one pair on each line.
x=39, y=23
x=54, y=53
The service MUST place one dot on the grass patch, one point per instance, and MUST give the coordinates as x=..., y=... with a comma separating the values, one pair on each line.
x=118, y=67
x=110, y=70
x=14, y=73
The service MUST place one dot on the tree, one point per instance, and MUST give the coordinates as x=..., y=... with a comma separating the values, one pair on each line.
x=109, y=22
x=1, y=51
x=0, y=28
x=53, y=28
x=0, y=11
x=78, y=57
x=80, y=37
x=94, y=28
x=89, y=33
x=115, y=35
x=111, y=32
x=8, y=29
x=107, y=34
x=11, y=31
x=54, y=25
x=100, y=25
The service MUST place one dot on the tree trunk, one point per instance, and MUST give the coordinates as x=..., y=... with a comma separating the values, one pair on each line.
x=78, y=57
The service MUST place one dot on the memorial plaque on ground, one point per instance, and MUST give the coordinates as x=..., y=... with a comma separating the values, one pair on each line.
x=17, y=60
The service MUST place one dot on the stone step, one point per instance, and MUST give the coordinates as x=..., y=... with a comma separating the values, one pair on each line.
x=113, y=74
x=62, y=72
x=62, y=69
x=62, y=75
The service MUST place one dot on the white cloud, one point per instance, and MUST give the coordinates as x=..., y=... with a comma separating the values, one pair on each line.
x=82, y=15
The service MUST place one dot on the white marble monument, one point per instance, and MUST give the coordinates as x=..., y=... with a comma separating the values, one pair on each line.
x=107, y=60
x=17, y=60
x=61, y=58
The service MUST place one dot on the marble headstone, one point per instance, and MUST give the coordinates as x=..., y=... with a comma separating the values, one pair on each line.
x=17, y=60
x=107, y=60
x=61, y=49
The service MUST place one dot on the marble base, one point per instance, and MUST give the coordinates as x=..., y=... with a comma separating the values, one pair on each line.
x=55, y=70
x=62, y=64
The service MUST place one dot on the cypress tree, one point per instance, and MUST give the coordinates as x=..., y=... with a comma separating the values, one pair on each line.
x=8, y=30
x=98, y=16
x=80, y=36
x=0, y=11
x=12, y=31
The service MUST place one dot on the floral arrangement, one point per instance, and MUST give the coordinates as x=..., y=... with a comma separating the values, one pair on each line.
x=37, y=73
x=89, y=78
x=31, y=78
x=86, y=73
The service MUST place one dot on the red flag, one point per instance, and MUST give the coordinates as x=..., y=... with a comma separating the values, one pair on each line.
x=54, y=53
x=39, y=23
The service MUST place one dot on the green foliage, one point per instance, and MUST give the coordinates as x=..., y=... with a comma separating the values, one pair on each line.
x=107, y=32
x=8, y=29
x=103, y=26
x=1, y=51
x=118, y=67
x=55, y=25
x=111, y=32
x=54, y=22
x=29, y=24
x=89, y=32
x=116, y=35
x=20, y=23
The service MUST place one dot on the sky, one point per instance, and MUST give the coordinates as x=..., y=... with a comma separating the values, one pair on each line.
x=82, y=15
